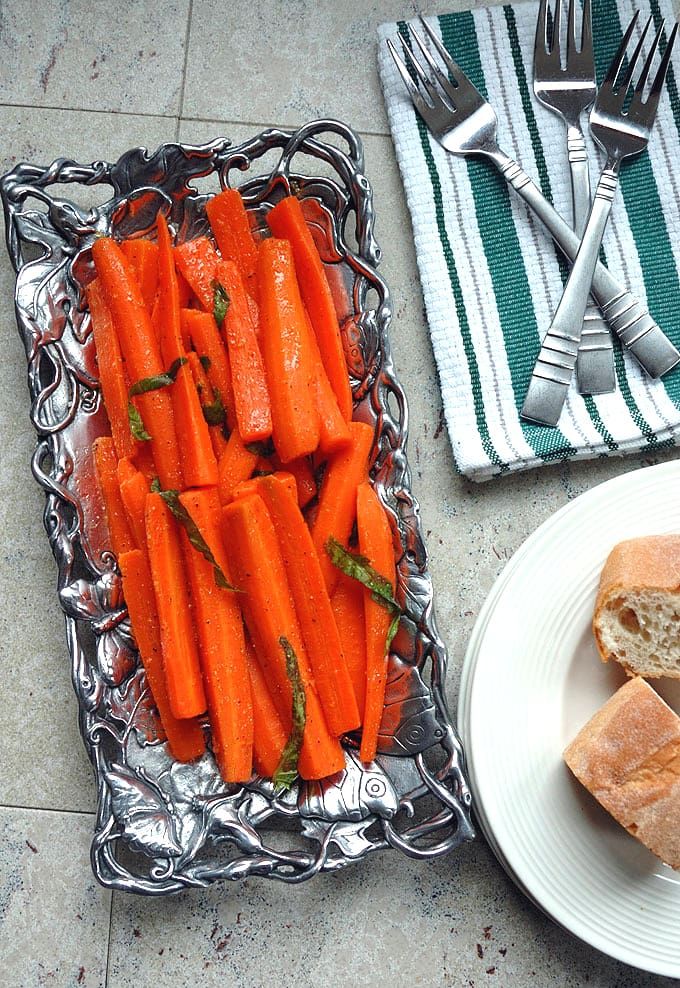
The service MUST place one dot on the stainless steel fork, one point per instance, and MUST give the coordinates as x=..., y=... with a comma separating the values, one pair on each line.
x=465, y=123
x=568, y=91
x=621, y=134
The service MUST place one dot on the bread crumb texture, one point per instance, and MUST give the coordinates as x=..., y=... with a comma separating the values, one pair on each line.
x=628, y=757
x=637, y=612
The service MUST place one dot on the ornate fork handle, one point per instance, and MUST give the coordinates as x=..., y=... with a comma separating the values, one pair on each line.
x=626, y=315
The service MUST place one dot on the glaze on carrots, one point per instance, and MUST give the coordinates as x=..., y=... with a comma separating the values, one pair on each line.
x=122, y=539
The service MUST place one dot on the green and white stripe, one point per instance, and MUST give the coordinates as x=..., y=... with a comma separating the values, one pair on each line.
x=492, y=280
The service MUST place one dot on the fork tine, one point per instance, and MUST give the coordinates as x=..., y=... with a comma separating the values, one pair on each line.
x=449, y=90
x=660, y=76
x=617, y=61
x=541, y=42
x=648, y=61
x=587, y=29
x=571, y=28
x=413, y=91
x=455, y=71
x=557, y=21
x=628, y=75
x=423, y=77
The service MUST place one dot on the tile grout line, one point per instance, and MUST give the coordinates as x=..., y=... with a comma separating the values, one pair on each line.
x=46, y=809
x=108, y=942
x=86, y=109
x=182, y=90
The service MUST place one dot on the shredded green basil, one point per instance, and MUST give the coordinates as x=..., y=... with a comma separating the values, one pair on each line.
x=159, y=380
x=206, y=362
x=137, y=425
x=214, y=412
x=358, y=568
x=155, y=486
x=287, y=769
x=220, y=302
x=172, y=500
x=264, y=449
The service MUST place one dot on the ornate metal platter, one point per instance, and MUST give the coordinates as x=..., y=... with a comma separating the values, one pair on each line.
x=162, y=826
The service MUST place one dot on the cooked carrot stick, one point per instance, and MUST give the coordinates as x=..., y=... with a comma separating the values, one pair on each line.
x=348, y=608
x=236, y=465
x=199, y=465
x=375, y=543
x=196, y=260
x=287, y=220
x=122, y=539
x=304, y=480
x=111, y=371
x=180, y=653
x=205, y=336
x=312, y=605
x=185, y=737
x=338, y=497
x=288, y=361
x=141, y=353
x=269, y=736
x=207, y=398
x=218, y=621
x=252, y=486
x=229, y=222
x=334, y=433
x=134, y=487
x=258, y=570
x=142, y=256
x=251, y=397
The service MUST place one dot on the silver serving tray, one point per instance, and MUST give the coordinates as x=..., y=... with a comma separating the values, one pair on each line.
x=162, y=826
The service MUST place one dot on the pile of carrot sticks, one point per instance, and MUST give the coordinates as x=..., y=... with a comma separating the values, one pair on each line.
x=257, y=561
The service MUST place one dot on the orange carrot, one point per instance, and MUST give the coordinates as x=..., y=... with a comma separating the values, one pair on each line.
x=142, y=256
x=375, y=543
x=334, y=433
x=196, y=260
x=304, y=480
x=185, y=737
x=288, y=361
x=251, y=398
x=287, y=220
x=122, y=539
x=236, y=465
x=134, y=487
x=199, y=465
x=252, y=486
x=348, y=608
x=229, y=222
x=258, y=570
x=312, y=605
x=180, y=654
x=269, y=736
x=111, y=371
x=207, y=398
x=141, y=353
x=220, y=634
x=205, y=336
x=338, y=496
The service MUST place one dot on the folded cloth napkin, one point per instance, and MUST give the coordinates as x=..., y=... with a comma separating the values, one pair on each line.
x=492, y=278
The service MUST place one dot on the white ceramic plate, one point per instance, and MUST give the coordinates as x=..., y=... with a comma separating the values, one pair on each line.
x=532, y=677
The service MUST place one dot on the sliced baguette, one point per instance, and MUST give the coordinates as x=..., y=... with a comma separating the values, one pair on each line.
x=628, y=757
x=637, y=611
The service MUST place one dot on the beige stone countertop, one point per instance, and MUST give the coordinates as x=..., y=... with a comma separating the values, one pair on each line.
x=88, y=79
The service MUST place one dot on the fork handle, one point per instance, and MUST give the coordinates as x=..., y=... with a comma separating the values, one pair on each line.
x=580, y=178
x=626, y=315
x=557, y=358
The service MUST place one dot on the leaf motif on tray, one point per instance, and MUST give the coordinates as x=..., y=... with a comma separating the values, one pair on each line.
x=356, y=793
x=116, y=657
x=101, y=600
x=349, y=837
x=140, y=810
x=133, y=704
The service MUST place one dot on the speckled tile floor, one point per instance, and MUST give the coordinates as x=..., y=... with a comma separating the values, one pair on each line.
x=81, y=80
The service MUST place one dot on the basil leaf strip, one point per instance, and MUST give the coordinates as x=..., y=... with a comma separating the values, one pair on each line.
x=220, y=302
x=214, y=412
x=263, y=449
x=137, y=425
x=172, y=500
x=157, y=381
x=359, y=568
x=287, y=769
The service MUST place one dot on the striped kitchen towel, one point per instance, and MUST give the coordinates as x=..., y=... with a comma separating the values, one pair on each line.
x=492, y=279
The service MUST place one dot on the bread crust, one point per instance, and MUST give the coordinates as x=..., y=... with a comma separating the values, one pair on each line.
x=628, y=757
x=651, y=562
